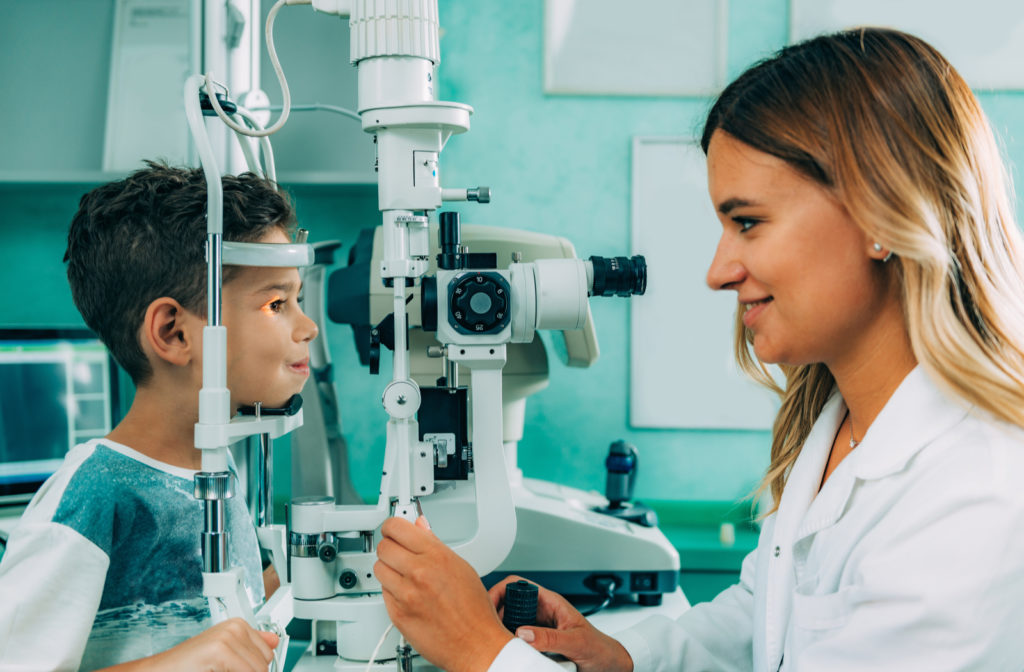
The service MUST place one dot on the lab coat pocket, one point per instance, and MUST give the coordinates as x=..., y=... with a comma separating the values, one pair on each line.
x=824, y=611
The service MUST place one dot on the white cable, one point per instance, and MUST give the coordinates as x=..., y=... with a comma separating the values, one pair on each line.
x=269, y=171
x=286, y=95
x=376, y=649
x=320, y=107
x=252, y=163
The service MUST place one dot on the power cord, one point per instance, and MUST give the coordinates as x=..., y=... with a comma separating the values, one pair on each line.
x=314, y=107
x=602, y=585
x=285, y=93
x=376, y=649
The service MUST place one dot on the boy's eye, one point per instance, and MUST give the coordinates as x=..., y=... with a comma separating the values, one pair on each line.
x=274, y=306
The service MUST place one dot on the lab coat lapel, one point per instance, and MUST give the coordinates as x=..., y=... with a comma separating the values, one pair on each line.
x=917, y=413
x=914, y=416
x=801, y=488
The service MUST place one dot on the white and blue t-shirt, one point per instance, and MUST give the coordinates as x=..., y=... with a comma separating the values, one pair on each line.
x=105, y=565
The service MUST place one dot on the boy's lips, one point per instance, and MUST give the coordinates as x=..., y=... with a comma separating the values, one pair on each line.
x=301, y=367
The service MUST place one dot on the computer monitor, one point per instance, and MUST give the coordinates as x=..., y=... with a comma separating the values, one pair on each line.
x=58, y=387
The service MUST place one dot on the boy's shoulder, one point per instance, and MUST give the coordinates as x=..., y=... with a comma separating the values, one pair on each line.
x=97, y=480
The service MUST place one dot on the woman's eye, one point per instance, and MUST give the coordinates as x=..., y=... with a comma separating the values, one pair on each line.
x=745, y=223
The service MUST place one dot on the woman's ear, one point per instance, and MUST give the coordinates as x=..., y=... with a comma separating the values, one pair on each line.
x=169, y=332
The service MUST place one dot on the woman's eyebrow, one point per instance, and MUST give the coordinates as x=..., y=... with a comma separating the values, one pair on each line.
x=730, y=204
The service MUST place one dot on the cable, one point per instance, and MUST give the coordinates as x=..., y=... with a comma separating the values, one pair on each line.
x=311, y=107
x=376, y=649
x=285, y=93
x=269, y=171
x=609, y=584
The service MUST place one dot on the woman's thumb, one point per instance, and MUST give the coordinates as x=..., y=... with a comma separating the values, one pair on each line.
x=547, y=640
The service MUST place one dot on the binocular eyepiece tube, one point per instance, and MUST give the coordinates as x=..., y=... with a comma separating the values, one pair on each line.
x=617, y=276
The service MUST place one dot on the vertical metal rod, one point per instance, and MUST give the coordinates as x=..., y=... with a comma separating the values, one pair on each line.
x=215, y=538
x=266, y=492
x=253, y=478
x=401, y=355
x=403, y=657
x=261, y=477
x=213, y=283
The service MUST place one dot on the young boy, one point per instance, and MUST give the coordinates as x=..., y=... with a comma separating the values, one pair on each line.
x=105, y=565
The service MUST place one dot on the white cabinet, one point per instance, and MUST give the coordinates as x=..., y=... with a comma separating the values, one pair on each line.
x=55, y=81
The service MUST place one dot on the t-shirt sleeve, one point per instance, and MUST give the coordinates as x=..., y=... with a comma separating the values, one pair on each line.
x=51, y=581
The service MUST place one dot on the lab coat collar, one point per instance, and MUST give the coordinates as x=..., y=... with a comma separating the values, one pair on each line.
x=917, y=413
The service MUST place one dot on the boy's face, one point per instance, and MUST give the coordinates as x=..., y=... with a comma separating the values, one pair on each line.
x=268, y=334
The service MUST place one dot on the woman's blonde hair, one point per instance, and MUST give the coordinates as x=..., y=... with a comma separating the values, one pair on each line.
x=882, y=121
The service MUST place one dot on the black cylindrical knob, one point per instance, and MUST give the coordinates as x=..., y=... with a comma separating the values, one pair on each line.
x=348, y=579
x=449, y=237
x=621, y=464
x=520, y=605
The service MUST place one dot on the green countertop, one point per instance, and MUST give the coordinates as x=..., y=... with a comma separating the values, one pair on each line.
x=694, y=529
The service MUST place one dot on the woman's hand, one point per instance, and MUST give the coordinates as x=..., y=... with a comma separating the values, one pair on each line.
x=436, y=600
x=231, y=646
x=569, y=634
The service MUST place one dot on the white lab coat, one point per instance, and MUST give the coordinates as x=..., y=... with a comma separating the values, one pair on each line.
x=911, y=557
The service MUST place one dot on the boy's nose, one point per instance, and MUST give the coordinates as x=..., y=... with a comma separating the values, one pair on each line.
x=307, y=329
x=726, y=269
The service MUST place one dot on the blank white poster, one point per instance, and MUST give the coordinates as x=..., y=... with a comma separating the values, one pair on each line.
x=647, y=48
x=983, y=39
x=683, y=374
x=154, y=52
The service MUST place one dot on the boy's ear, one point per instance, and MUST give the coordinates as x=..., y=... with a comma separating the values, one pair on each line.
x=169, y=332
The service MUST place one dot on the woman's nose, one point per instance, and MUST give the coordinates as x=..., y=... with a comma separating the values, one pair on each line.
x=726, y=269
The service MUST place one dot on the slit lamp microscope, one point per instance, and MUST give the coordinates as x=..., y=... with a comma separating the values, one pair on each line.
x=450, y=447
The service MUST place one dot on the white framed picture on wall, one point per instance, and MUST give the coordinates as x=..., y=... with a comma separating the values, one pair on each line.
x=646, y=48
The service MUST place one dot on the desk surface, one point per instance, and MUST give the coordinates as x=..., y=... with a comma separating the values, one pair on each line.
x=695, y=530
x=610, y=621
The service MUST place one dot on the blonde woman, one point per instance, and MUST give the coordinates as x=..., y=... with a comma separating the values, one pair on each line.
x=868, y=234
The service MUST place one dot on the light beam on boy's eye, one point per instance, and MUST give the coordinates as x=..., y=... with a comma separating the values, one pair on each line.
x=268, y=306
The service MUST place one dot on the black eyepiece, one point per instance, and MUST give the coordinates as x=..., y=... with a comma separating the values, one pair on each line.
x=619, y=276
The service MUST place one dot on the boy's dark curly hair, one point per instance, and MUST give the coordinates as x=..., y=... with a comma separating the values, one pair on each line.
x=135, y=240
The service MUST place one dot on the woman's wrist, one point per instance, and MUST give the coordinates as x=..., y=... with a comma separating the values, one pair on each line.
x=484, y=648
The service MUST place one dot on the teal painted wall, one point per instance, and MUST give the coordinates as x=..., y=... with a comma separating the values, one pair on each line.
x=558, y=164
